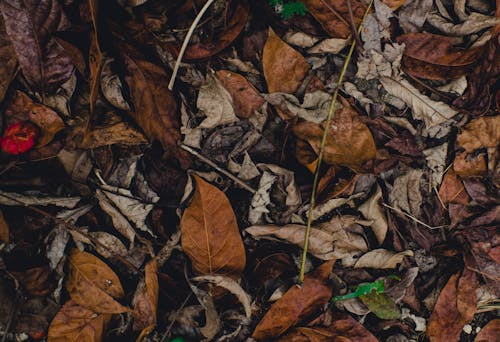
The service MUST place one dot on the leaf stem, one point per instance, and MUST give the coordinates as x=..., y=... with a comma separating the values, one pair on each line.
x=331, y=112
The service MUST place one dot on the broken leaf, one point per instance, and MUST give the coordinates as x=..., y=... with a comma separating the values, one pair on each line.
x=381, y=258
x=479, y=133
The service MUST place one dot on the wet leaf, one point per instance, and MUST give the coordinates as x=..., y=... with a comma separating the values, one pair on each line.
x=92, y=284
x=76, y=323
x=210, y=235
x=30, y=25
x=145, y=300
x=454, y=308
x=479, y=133
x=8, y=61
x=381, y=258
x=381, y=305
x=349, y=141
x=297, y=304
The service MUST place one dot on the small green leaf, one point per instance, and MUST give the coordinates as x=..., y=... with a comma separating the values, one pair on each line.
x=381, y=305
x=364, y=289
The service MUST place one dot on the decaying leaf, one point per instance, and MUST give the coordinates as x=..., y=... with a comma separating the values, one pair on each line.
x=93, y=285
x=381, y=258
x=297, y=304
x=454, y=308
x=76, y=323
x=10, y=198
x=405, y=194
x=30, y=26
x=479, y=133
x=145, y=300
x=210, y=235
x=8, y=61
x=109, y=245
x=381, y=305
x=489, y=331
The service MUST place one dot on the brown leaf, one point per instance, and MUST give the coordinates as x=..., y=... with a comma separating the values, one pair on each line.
x=155, y=109
x=92, y=284
x=246, y=98
x=434, y=57
x=452, y=189
x=454, y=308
x=95, y=55
x=349, y=141
x=382, y=258
x=30, y=25
x=297, y=304
x=333, y=15
x=490, y=332
x=146, y=301
x=466, y=165
x=4, y=229
x=76, y=323
x=210, y=235
x=343, y=328
x=8, y=61
x=284, y=67
x=21, y=107
x=36, y=281
x=394, y=4
x=479, y=133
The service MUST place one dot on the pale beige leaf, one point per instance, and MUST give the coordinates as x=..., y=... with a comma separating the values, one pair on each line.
x=372, y=210
x=381, y=258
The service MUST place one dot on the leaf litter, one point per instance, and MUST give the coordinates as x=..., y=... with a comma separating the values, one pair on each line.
x=143, y=211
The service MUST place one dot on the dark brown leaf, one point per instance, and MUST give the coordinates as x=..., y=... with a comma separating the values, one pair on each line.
x=490, y=332
x=146, y=300
x=8, y=61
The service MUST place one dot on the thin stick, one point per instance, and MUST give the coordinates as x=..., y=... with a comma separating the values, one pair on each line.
x=186, y=42
x=411, y=217
x=322, y=147
x=218, y=169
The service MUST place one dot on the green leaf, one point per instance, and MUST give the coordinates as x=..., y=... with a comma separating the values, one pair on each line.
x=381, y=305
x=364, y=289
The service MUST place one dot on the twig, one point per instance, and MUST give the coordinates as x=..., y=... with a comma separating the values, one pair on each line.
x=322, y=147
x=413, y=218
x=353, y=25
x=186, y=42
x=218, y=169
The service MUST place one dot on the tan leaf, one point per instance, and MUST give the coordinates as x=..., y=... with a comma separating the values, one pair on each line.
x=479, y=133
x=76, y=323
x=372, y=210
x=95, y=55
x=349, y=141
x=21, y=107
x=394, y=4
x=381, y=258
x=297, y=304
x=92, y=284
x=452, y=189
x=284, y=67
x=4, y=229
x=146, y=300
x=454, y=308
x=210, y=235
x=246, y=99
x=470, y=165
x=8, y=61
x=490, y=331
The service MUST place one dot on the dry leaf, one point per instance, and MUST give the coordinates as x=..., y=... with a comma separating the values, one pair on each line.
x=349, y=141
x=30, y=25
x=76, y=323
x=145, y=300
x=454, y=308
x=297, y=304
x=109, y=245
x=372, y=210
x=4, y=229
x=470, y=165
x=95, y=55
x=334, y=15
x=381, y=258
x=436, y=162
x=394, y=4
x=92, y=284
x=210, y=235
x=406, y=194
x=8, y=61
x=489, y=332
x=112, y=87
x=246, y=99
x=479, y=133
x=452, y=189
x=120, y=222
x=12, y=198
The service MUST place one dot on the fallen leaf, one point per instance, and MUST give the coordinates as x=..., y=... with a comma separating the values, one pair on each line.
x=11, y=198
x=470, y=165
x=343, y=328
x=21, y=107
x=436, y=162
x=381, y=305
x=284, y=67
x=372, y=210
x=452, y=189
x=314, y=107
x=36, y=281
x=145, y=301
x=95, y=55
x=331, y=45
x=210, y=235
x=454, y=308
x=405, y=194
x=76, y=323
x=112, y=87
x=381, y=258
x=475, y=22
x=349, y=141
x=93, y=285
x=297, y=304
x=434, y=57
x=479, y=133
x=120, y=222
x=246, y=99
x=394, y=4
x=4, y=229
x=109, y=245
x=334, y=15
x=8, y=61
x=413, y=14
x=489, y=332
x=30, y=26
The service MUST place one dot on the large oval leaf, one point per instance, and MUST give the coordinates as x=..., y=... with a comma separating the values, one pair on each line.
x=210, y=235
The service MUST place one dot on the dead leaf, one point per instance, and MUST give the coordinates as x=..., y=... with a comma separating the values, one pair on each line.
x=8, y=61
x=145, y=301
x=436, y=162
x=334, y=15
x=470, y=165
x=284, y=67
x=372, y=210
x=76, y=323
x=452, y=189
x=297, y=304
x=413, y=14
x=349, y=141
x=381, y=258
x=109, y=245
x=331, y=45
x=394, y=4
x=454, y=308
x=435, y=57
x=36, y=281
x=381, y=305
x=30, y=26
x=112, y=87
x=489, y=332
x=95, y=55
x=246, y=99
x=210, y=235
x=343, y=328
x=120, y=222
x=21, y=107
x=479, y=133
x=314, y=107
x=406, y=194
x=11, y=198
x=4, y=229
x=93, y=285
